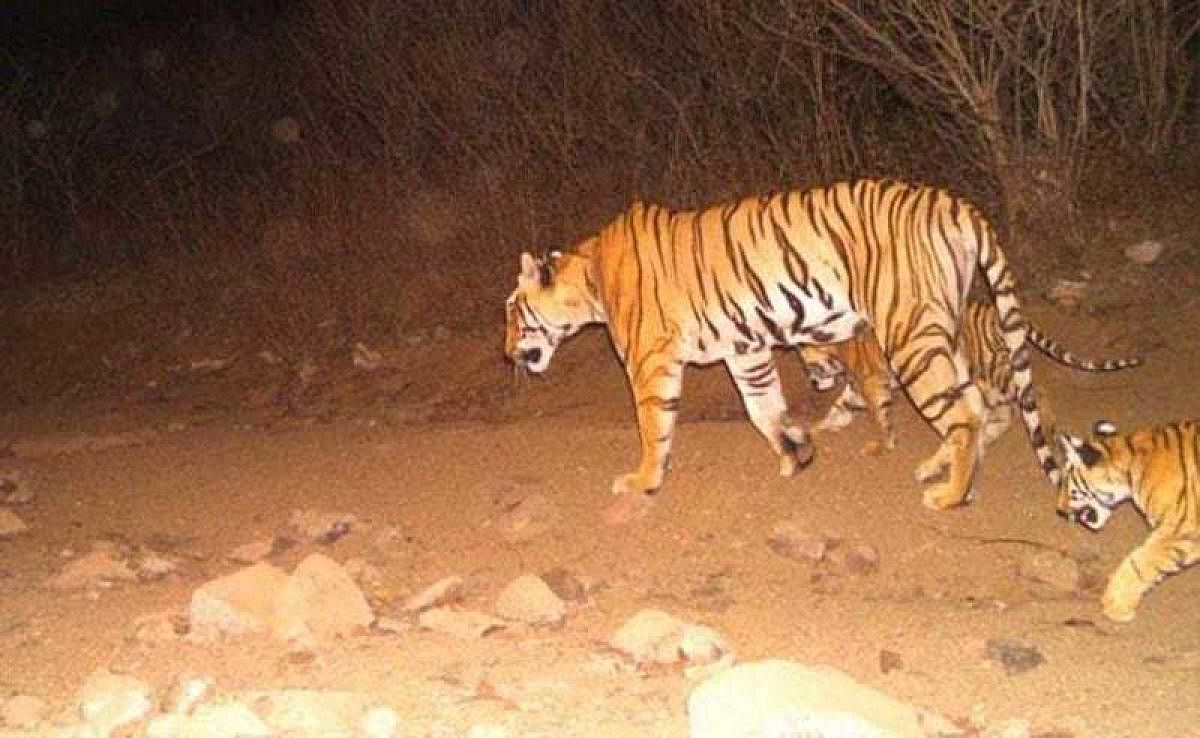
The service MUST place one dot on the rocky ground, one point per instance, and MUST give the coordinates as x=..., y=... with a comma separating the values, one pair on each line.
x=402, y=540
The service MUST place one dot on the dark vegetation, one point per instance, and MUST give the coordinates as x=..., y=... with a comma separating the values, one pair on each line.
x=377, y=164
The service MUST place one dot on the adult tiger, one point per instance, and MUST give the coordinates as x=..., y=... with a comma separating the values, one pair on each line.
x=1159, y=469
x=732, y=281
x=859, y=363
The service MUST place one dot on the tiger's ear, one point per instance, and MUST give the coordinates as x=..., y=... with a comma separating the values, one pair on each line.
x=1070, y=448
x=1079, y=451
x=1104, y=429
x=530, y=269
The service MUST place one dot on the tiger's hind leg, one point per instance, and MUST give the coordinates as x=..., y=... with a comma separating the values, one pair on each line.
x=758, y=383
x=878, y=390
x=938, y=382
x=998, y=414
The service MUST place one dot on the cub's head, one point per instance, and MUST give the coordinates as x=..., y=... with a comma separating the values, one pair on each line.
x=823, y=366
x=554, y=298
x=1095, y=476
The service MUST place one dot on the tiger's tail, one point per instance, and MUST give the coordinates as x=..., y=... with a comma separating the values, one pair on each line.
x=1016, y=330
x=1050, y=347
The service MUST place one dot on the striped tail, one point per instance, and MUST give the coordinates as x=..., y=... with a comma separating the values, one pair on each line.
x=1016, y=329
x=1050, y=348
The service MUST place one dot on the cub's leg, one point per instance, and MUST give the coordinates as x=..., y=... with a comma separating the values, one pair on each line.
x=758, y=383
x=876, y=380
x=998, y=414
x=655, y=380
x=1161, y=554
x=849, y=402
x=937, y=379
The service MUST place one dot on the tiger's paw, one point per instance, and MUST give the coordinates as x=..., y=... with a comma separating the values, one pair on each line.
x=943, y=497
x=797, y=451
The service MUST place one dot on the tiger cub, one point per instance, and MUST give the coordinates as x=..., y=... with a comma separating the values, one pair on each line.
x=1159, y=469
x=863, y=367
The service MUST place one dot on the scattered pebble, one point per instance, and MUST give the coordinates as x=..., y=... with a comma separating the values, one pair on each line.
x=465, y=624
x=11, y=524
x=445, y=591
x=1016, y=657
x=793, y=541
x=1144, y=252
x=528, y=599
x=99, y=568
x=319, y=526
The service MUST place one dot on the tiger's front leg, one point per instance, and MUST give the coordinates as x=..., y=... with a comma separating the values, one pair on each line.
x=656, y=381
x=1159, y=556
x=758, y=383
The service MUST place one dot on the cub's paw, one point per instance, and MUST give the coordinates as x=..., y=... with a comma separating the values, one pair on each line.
x=943, y=497
x=627, y=484
x=930, y=469
x=1118, y=609
x=633, y=501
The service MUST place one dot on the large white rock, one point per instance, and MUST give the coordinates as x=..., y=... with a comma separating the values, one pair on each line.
x=108, y=701
x=781, y=699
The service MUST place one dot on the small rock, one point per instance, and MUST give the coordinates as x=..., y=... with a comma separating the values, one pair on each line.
x=241, y=602
x=99, y=568
x=1014, y=656
x=14, y=490
x=320, y=601
x=1144, y=252
x=445, y=591
x=153, y=567
x=464, y=624
x=525, y=517
x=255, y=551
x=108, y=701
x=321, y=527
x=890, y=661
x=11, y=524
x=365, y=358
x=861, y=558
x=1068, y=293
x=379, y=722
x=650, y=636
x=780, y=698
x=566, y=585
x=22, y=711
x=528, y=599
x=1052, y=568
x=794, y=542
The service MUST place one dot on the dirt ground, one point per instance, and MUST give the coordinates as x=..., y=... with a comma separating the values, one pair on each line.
x=441, y=443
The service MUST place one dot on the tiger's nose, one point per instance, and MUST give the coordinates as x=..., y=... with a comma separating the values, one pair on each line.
x=529, y=356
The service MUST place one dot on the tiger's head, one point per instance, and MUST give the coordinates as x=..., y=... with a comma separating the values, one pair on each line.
x=554, y=298
x=1095, y=476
